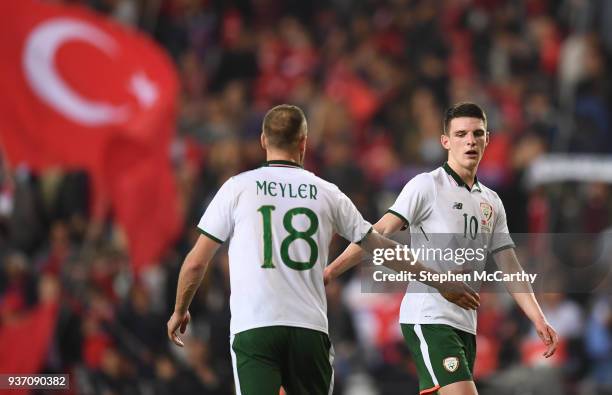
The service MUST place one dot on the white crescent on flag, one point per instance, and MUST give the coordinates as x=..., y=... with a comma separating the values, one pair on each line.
x=42, y=75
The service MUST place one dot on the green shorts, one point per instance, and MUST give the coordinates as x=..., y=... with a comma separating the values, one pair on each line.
x=443, y=355
x=298, y=359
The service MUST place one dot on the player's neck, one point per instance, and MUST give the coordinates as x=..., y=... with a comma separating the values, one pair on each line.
x=467, y=175
x=285, y=156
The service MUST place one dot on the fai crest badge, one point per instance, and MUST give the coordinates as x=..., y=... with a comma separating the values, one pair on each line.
x=451, y=364
x=487, y=215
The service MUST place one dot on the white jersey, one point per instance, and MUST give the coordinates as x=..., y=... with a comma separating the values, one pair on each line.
x=279, y=220
x=441, y=211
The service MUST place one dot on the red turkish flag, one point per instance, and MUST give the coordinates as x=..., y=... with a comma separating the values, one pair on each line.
x=81, y=91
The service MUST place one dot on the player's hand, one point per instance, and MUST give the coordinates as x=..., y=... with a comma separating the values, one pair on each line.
x=178, y=322
x=461, y=294
x=549, y=337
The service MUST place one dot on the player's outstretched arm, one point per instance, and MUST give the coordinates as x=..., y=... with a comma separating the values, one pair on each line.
x=522, y=292
x=456, y=292
x=190, y=277
x=352, y=255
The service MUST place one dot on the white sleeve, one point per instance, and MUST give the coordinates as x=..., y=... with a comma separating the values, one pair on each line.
x=416, y=200
x=348, y=221
x=218, y=220
x=500, y=239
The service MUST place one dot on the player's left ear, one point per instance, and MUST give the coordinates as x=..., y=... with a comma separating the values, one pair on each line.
x=263, y=141
x=302, y=148
x=445, y=141
x=487, y=138
x=302, y=143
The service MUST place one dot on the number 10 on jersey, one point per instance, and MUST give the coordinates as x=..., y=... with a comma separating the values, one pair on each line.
x=293, y=235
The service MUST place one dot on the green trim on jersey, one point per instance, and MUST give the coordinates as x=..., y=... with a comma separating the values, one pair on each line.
x=458, y=179
x=366, y=235
x=442, y=354
x=400, y=216
x=503, y=248
x=281, y=163
x=213, y=238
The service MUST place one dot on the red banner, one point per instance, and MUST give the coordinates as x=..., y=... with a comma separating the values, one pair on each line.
x=25, y=343
x=80, y=91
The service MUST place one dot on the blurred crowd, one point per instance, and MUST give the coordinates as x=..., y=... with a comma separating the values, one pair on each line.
x=373, y=78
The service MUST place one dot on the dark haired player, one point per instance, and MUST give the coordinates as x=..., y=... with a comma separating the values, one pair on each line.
x=451, y=200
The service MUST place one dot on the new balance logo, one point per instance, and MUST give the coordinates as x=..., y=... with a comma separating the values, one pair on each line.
x=458, y=205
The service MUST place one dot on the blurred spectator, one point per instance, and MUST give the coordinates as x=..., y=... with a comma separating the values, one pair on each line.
x=343, y=337
x=598, y=342
x=173, y=380
x=115, y=375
